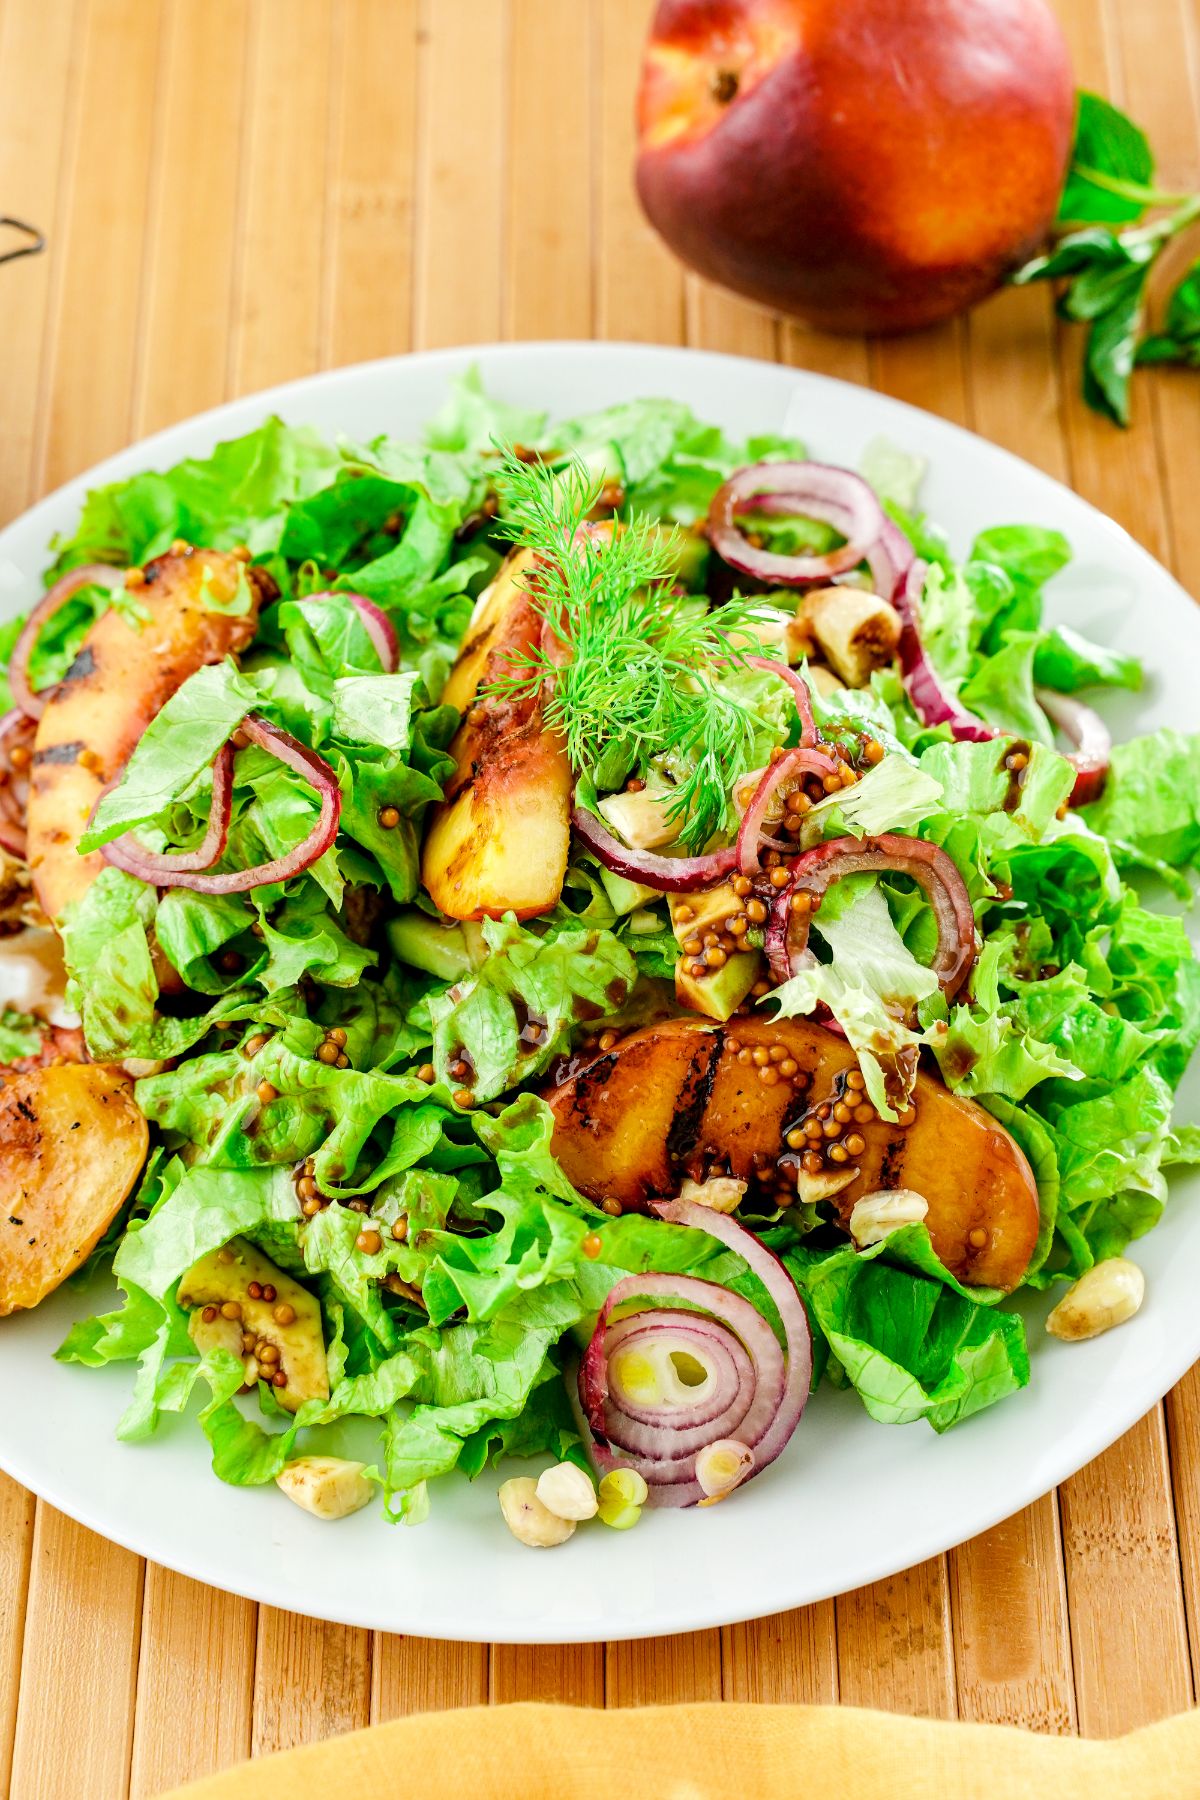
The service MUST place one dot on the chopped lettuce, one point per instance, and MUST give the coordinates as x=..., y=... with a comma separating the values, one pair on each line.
x=300, y=1046
x=1151, y=801
x=511, y=1017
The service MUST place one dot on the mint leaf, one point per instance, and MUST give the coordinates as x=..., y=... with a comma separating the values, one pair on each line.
x=1112, y=166
x=1179, y=341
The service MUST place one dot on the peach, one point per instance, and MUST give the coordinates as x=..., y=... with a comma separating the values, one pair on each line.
x=868, y=165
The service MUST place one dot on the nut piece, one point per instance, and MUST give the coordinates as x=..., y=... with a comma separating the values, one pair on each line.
x=720, y=1192
x=528, y=1518
x=722, y=1466
x=567, y=1492
x=878, y=1214
x=326, y=1486
x=858, y=632
x=1106, y=1295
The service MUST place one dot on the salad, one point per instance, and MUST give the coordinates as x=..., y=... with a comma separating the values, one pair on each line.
x=560, y=938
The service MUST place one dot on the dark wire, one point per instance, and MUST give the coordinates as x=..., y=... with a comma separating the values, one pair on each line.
x=36, y=244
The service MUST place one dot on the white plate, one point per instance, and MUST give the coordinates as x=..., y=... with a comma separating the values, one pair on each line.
x=851, y=1501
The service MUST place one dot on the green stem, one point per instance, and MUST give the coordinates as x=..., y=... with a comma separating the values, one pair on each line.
x=1187, y=214
x=1130, y=190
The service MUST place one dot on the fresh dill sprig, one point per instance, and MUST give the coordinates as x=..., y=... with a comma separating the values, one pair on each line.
x=628, y=662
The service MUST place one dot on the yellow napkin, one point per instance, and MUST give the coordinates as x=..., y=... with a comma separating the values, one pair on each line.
x=718, y=1752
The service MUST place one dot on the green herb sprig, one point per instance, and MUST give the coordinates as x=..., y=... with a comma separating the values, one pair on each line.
x=1106, y=271
x=631, y=668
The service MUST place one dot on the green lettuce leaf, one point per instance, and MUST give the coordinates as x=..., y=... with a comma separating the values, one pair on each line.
x=1151, y=801
x=909, y=1344
x=516, y=1012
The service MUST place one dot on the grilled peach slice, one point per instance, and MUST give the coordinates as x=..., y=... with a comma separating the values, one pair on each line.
x=122, y=676
x=499, y=840
x=72, y=1144
x=686, y=1099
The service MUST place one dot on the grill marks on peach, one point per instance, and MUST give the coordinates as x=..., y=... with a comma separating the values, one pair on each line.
x=676, y=1100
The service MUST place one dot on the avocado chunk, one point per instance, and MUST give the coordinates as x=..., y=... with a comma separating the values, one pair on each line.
x=447, y=951
x=694, y=914
x=719, y=993
x=626, y=896
x=224, y=1278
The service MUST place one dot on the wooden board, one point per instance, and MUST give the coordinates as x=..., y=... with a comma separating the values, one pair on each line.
x=369, y=175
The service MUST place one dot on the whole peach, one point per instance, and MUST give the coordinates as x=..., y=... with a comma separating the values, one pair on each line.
x=870, y=165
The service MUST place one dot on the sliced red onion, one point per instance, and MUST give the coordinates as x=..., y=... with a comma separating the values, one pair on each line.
x=786, y=770
x=889, y=559
x=315, y=771
x=378, y=626
x=932, y=701
x=786, y=938
x=87, y=575
x=813, y=490
x=753, y=1391
x=1090, y=736
x=164, y=869
x=800, y=688
x=17, y=729
x=668, y=874
x=935, y=705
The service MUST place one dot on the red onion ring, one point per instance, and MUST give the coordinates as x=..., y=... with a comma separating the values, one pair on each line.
x=889, y=559
x=935, y=705
x=932, y=701
x=668, y=874
x=1090, y=736
x=164, y=869
x=306, y=763
x=786, y=937
x=16, y=728
x=786, y=769
x=808, y=733
x=815, y=490
x=28, y=700
x=758, y=1391
x=378, y=626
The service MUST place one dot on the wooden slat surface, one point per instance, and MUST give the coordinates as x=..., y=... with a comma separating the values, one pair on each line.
x=239, y=192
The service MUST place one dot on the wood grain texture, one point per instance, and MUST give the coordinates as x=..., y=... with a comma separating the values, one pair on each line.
x=571, y=1674
x=638, y=284
x=195, y=1683
x=370, y=196
x=311, y=1680
x=192, y=212
x=411, y=1674
x=1183, y=1426
x=1123, y=1580
x=789, y=1659
x=281, y=229
x=895, y=1648
x=16, y=1546
x=645, y=1672
x=463, y=44
x=96, y=286
x=366, y=174
x=38, y=58
x=1011, y=1636
x=82, y=1631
